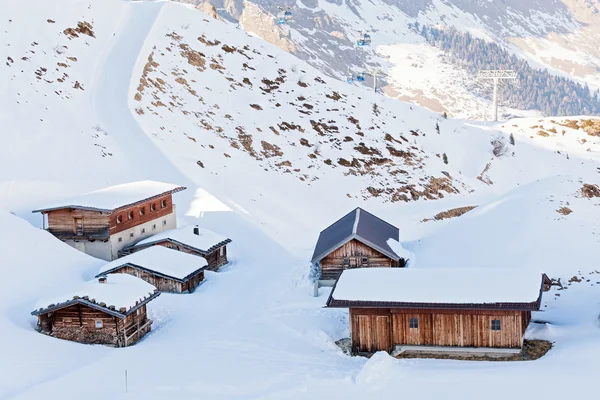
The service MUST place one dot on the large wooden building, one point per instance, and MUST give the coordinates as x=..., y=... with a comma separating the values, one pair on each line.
x=103, y=222
x=166, y=269
x=192, y=240
x=437, y=310
x=357, y=240
x=109, y=311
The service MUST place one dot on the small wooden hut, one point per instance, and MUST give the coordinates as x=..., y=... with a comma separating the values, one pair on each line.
x=166, y=269
x=437, y=310
x=192, y=240
x=109, y=311
x=357, y=240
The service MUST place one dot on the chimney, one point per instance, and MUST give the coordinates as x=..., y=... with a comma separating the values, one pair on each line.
x=102, y=279
x=196, y=230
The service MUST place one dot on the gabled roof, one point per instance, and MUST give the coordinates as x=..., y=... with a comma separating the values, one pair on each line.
x=160, y=261
x=116, y=197
x=438, y=288
x=205, y=242
x=362, y=226
x=120, y=296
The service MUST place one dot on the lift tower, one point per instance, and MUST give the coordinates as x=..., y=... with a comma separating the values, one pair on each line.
x=496, y=75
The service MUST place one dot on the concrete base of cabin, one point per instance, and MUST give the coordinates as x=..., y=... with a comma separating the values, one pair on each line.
x=457, y=351
x=322, y=283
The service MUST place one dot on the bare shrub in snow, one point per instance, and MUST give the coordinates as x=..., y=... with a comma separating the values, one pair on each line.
x=59, y=49
x=185, y=27
x=499, y=147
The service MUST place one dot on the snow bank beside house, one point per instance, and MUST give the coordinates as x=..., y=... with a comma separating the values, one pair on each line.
x=204, y=241
x=439, y=285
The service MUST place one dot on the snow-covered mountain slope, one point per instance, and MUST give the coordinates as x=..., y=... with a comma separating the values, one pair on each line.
x=557, y=34
x=253, y=330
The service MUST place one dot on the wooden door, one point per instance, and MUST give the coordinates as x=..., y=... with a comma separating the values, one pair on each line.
x=78, y=226
x=381, y=333
x=365, y=333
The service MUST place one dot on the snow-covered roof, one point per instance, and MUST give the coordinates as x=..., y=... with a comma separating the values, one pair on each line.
x=204, y=242
x=160, y=260
x=362, y=226
x=114, y=197
x=120, y=295
x=437, y=288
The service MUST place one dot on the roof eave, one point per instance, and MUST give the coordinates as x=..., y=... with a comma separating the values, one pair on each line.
x=151, y=271
x=203, y=252
x=333, y=303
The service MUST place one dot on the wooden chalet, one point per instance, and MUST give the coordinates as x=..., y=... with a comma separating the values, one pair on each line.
x=192, y=240
x=357, y=240
x=166, y=269
x=437, y=310
x=103, y=222
x=109, y=311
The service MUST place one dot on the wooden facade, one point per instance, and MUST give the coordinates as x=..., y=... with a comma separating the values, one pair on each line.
x=381, y=329
x=84, y=324
x=354, y=254
x=161, y=282
x=140, y=213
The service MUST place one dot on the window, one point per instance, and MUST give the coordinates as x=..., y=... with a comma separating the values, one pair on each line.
x=131, y=235
x=78, y=226
x=119, y=219
x=163, y=204
x=120, y=239
x=153, y=227
x=98, y=324
x=130, y=215
x=365, y=260
x=221, y=251
x=413, y=323
x=346, y=261
x=152, y=207
x=142, y=211
x=164, y=222
x=143, y=230
x=495, y=324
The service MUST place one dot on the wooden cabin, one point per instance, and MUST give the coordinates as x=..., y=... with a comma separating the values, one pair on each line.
x=437, y=310
x=103, y=222
x=109, y=311
x=192, y=240
x=166, y=269
x=357, y=240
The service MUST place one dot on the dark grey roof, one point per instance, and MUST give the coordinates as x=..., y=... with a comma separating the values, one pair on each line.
x=362, y=226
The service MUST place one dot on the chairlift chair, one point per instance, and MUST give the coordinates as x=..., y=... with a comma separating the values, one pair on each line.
x=360, y=76
x=364, y=40
x=287, y=16
x=350, y=78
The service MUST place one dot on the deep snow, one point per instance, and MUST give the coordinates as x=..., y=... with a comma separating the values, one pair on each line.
x=253, y=331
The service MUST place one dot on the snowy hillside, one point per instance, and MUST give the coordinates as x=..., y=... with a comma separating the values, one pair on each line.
x=272, y=151
x=558, y=35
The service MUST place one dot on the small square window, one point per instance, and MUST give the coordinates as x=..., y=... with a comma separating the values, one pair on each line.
x=99, y=324
x=130, y=215
x=495, y=324
x=153, y=226
x=164, y=222
x=163, y=204
x=131, y=235
x=120, y=239
x=119, y=219
x=152, y=207
x=143, y=230
x=142, y=211
x=365, y=260
x=413, y=323
x=346, y=261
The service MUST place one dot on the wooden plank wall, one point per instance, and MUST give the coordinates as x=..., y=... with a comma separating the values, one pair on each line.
x=381, y=329
x=333, y=264
x=214, y=260
x=139, y=219
x=162, y=284
x=61, y=223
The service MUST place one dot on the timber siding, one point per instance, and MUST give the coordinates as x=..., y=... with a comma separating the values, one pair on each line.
x=375, y=329
x=79, y=224
x=161, y=282
x=141, y=213
x=214, y=258
x=354, y=254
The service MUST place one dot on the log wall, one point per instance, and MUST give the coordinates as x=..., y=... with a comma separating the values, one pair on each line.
x=164, y=284
x=136, y=216
x=62, y=223
x=382, y=329
x=214, y=260
x=355, y=253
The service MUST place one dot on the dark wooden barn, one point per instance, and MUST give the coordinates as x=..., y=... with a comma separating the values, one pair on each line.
x=166, y=269
x=192, y=240
x=357, y=240
x=437, y=310
x=111, y=311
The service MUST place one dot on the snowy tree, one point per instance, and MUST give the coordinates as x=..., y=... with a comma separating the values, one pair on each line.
x=445, y=158
x=511, y=139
